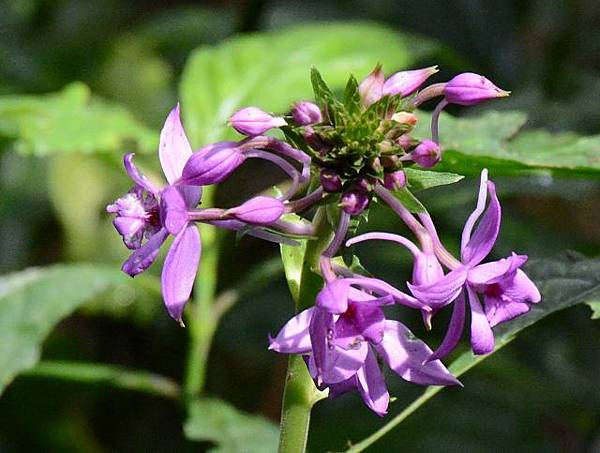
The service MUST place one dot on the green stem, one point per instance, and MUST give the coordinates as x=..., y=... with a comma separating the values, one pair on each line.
x=120, y=377
x=201, y=320
x=300, y=393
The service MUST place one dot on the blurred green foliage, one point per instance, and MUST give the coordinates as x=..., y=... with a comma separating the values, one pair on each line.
x=539, y=394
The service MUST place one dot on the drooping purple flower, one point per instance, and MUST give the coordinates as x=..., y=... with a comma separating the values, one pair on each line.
x=147, y=215
x=306, y=113
x=343, y=334
x=406, y=83
x=469, y=89
x=252, y=121
x=507, y=291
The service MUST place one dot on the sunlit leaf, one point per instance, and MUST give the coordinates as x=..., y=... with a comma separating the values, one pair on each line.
x=564, y=281
x=71, y=121
x=33, y=301
x=595, y=306
x=409, y=200
x=230, y=429
x=271, y=70
x=424, y=179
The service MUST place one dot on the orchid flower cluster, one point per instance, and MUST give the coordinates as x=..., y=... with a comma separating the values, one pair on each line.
x=341, y=156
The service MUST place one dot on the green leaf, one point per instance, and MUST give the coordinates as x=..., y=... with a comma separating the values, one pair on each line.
x=324, y=97
x=564, y=281
x=423, y=179
x=352, y=100
x=494, y=140
x=271, y=70
x=595, y=306
x=233, y=431
x=33, y=301
x=409, y=201
x=71, y=121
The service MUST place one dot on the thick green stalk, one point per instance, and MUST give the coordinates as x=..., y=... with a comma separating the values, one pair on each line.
x=300, y=393
x=116, y=376
x=201, y=320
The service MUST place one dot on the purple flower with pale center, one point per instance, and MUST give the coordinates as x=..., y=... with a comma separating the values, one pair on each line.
x=343, y=334
x=147, y=215
x=507, y=291
x=252, y=121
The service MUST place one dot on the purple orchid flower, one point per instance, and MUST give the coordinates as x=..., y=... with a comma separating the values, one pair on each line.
x=150, y=214
x=507, y=291
x=342, y=335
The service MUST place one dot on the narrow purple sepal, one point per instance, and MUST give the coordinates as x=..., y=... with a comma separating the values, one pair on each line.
x=455, y=329
x=143, y=257
x=469, y=89
x=483, y=239
x=442, y=292
x=496, y=271
x=179, y=270
x=212, y=164
x=294, y=338
x=136, y=176
x=252, y=121
x=174, y=149
x=406, y=83
x=371, y=385
x=258, y=210
x=408, y=357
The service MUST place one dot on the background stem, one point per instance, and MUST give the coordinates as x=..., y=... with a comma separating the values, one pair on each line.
x=120, y=377
x=201, y=320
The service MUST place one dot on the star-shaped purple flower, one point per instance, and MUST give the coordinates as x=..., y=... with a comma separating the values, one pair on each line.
x=343, y=334
x=147, y=215
x=507, y=291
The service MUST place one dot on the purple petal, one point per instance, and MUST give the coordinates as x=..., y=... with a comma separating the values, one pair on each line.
x=142, y=258
x=514, y=298
x=488, y=273
x=136, y=176
x=480, y=244
x=128, y=226
x=333, y=364
x=340, y=388
x=371, y=385
x=259, y=210
x=455, y=329
x=173, y=210
x=482, y=337
x=293, y=337
x=369, y=320
x=405, y=83
x=407, y=356
x=442, y=292
x=179, y=270
x=174, y=149
x=334, y=296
